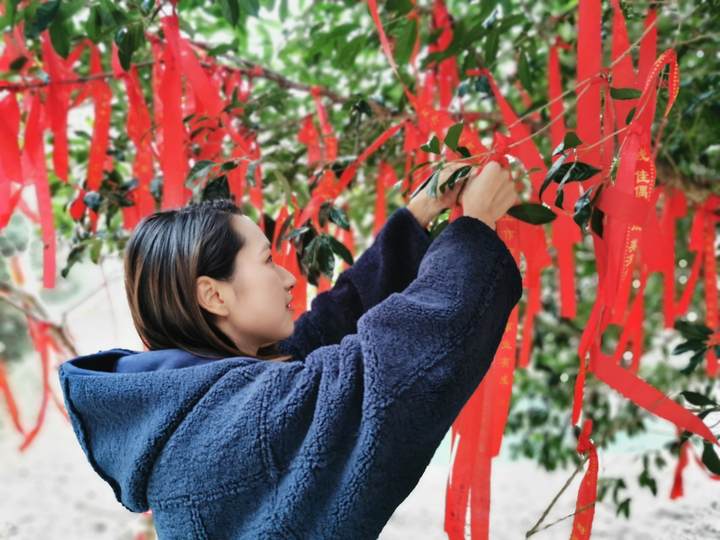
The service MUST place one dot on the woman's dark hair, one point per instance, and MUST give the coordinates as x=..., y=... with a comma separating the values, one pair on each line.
x=166, y=253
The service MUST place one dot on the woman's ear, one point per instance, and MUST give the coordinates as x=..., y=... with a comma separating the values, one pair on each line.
x=210, y=296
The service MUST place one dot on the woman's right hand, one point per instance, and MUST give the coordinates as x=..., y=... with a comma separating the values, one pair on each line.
x=489, y=194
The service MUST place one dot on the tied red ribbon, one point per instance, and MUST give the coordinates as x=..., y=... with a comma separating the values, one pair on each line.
x=587, y=493
x=173, y=160
x=330, y=143
x=33, y=160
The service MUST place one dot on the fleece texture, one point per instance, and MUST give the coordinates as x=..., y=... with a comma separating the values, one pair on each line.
x=328, y=444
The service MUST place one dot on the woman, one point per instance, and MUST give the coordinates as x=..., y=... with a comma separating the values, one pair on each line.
x=220, y=442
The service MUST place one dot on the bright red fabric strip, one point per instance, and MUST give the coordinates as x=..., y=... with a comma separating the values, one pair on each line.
x=677, y=486
x=173, y=158
x=649, y=397
x=34, y=158
x=587, y=493
x=58, y=103
x=38, y=334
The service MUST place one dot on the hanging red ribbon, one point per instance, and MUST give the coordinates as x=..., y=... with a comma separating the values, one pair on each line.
x=10, y=169
x=39, y=335
x=139, y=129
x=587, y=493
x=329, y=140
x=173, y=159
x=34, y=167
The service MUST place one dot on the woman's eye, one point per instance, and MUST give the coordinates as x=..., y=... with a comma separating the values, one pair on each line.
x=269, y=259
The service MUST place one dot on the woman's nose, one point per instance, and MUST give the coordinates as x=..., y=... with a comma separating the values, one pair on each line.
x=293, y=279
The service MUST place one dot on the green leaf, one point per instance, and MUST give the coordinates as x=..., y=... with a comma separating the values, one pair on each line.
x=571, y=140
x=44, y=15
x=463, y=151
x=551, y=173
x=95, y=247
x=432, y=183
x=146, y=6
x=113, y=15
x=250, y=173
x=690, y=345
x=533, y=213
x=348, y=52
x=229, y=165
x=74, y=256
x=400, y=7
x=458, y=173
x=698, y=399
x=339, y=248
x=596, y=218
x=624, y=508
x=231, y=11
x=11, y=11
x=217, y=188
x=691, y=330
x=453, y=135
x=560, y=193
x=251, y=7
x=321, y=255
x=298, y=232
x=198, y=170
x=695, y=360
x=630, y=116
x=432, y=147
x=60, y=38
x=18, y=63
x=224, y=48
x=339, y=217
x=579, y=171
x=492, y=42
x=624, y=93
x=523, y=71
x=92, y=200
x=581, y=212
x=596, y=221
x=128, y=39
x=710, y=458
x=405, y=41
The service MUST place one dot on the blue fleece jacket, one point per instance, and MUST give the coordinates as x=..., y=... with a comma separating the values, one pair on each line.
x=326, y=445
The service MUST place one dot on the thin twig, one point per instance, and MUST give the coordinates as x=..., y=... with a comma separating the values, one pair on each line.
x=581, y=509
x=534, y=528
x=32, y=308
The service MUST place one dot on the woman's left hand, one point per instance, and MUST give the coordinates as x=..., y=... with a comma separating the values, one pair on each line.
x=425, y=208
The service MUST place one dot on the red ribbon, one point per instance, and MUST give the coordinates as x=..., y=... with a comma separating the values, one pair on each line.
x=173, y=159
x=139, y=129
x=587, y=493
x=329, y=140
x=10, y=168
x=34, y=167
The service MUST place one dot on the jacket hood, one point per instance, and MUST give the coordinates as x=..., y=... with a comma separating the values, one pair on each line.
x=124, y=405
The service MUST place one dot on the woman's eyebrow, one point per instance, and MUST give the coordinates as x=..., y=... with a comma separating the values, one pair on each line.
x=265, y=246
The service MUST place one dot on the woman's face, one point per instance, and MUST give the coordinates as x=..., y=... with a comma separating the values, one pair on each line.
x=252, y=308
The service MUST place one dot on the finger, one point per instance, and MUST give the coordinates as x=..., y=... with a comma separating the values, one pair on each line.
x=509, y=198
x=458, y=199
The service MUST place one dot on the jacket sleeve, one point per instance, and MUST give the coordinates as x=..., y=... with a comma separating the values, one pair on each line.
x=387, y=266
x=367, y=415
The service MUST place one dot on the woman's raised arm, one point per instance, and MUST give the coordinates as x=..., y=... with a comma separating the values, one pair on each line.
x=388, y=265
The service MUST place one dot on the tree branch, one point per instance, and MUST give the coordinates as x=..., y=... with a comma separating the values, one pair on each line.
x=31, y=307
x=535, y=528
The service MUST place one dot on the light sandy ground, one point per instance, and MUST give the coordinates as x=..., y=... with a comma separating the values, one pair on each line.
x=50, y=491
